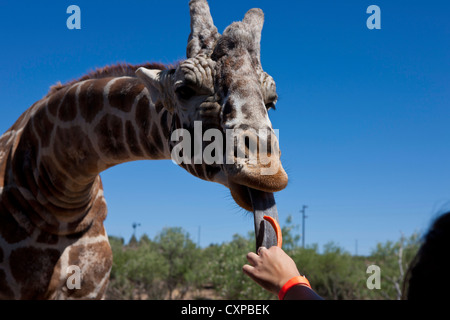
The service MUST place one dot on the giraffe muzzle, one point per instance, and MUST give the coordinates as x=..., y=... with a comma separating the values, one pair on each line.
x=263, y=204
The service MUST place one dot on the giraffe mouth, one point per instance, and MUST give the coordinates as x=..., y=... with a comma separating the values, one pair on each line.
x=253, y=191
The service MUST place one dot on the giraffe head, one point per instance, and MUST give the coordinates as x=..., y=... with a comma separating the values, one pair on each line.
x=222, y=86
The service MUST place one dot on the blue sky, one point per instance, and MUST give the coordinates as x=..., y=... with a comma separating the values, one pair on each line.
x=363, y=114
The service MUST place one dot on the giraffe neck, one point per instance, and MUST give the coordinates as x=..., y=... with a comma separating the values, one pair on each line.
x=68, y=138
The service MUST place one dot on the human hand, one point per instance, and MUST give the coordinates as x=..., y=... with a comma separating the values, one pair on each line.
x=270, y=268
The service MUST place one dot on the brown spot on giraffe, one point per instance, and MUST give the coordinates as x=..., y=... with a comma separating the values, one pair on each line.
x=24, y=159
x=41, y=125
x=111, y=144
x=67, y=110
x=90, y=98
x=132, y=140
x=159, y=106
x=165, y=124
x=48, y=238
x=55, y=100
x=76, y=158
x=123, y=93
x=229, y=111
x=5, y=290
x=32, y=267
x=10, y=231
x=149, y=142
x=143, y=115
x=157, y=139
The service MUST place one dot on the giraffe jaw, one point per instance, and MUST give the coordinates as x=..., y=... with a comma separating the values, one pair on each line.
x=241, y=181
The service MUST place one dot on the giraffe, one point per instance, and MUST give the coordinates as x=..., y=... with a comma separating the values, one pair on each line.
x=52, y=206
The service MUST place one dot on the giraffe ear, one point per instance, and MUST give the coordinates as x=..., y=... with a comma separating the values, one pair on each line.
x=150, y=77
x=157, y=82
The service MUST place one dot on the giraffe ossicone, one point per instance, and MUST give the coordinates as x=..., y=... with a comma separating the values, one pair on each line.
x=52, y=205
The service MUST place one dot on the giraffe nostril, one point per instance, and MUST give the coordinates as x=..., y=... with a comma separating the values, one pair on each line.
x=269, y=144
x=247, y=143
x=255, y=146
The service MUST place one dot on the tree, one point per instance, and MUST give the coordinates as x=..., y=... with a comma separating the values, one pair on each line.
x=290, y=240
x=394, y=259
x=180, y=257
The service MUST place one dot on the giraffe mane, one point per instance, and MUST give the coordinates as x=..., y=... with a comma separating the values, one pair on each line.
x=116, y=70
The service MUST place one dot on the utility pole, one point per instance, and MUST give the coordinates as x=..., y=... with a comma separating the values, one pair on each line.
x=304, y=216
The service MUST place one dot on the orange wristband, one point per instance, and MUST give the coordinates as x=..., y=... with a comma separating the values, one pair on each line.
x=291, y=283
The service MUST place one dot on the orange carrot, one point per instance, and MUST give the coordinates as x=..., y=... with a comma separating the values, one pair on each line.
x=277, y=229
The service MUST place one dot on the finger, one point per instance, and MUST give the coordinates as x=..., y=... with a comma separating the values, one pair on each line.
x=262, y=250
x=252, y=258
x=248, y=270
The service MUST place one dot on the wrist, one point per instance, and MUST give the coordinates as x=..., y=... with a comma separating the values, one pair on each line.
x=298, y=280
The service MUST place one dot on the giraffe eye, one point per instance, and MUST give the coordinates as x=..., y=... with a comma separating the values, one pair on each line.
x=272, y=100
x=185, y=92
x=270, y=105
